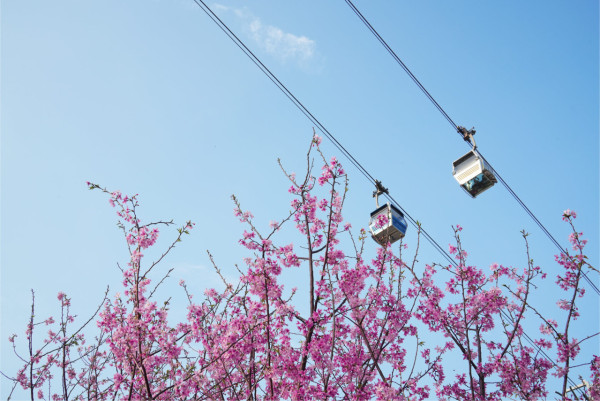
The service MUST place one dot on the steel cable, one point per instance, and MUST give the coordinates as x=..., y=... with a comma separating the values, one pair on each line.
x=456, y=128
x=337, y=144
x=311, y=117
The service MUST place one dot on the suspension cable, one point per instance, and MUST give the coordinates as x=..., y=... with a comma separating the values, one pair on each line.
x=399, y=61
x=336, y=143
x=457, y=129
x=312, y=118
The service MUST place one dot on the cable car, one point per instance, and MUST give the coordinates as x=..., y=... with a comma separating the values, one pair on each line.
x=395, y=226
x=471, y=171
x=393, y=230
x=473, y=174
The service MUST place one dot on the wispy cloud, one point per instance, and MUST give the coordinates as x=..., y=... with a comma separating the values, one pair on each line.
x=282, y=44
x=285, y=46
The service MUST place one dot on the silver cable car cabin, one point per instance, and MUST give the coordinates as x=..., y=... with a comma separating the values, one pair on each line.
x=471, y=171
x=395, y=227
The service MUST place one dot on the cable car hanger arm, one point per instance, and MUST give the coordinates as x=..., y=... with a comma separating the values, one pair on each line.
x=467, y=135
x=379, y=189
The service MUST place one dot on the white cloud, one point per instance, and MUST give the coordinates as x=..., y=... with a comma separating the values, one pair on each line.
x=283, y=45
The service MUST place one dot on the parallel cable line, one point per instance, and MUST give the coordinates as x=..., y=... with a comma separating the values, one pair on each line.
x=453, y=124
x=535, y=219
x=335, y=142
x=311, y=117
x=281, y=87
x=399, y=61
x=456, y=128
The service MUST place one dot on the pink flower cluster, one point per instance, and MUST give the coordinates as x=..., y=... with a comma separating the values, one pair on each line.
x=357, y=333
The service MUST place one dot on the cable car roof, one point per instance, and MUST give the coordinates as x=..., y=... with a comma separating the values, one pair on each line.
x=466, y=157
x=380, y=208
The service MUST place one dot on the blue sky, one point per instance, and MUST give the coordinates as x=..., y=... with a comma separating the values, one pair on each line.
x=150, y=97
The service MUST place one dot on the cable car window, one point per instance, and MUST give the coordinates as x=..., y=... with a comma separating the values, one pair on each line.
x=473, y=174
x=393, y=230
x=478, y=184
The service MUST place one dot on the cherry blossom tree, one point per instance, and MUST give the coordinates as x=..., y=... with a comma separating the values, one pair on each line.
x=379, y=329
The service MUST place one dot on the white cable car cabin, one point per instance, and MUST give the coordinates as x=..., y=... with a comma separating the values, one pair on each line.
x=393, y=230
x=473, y=174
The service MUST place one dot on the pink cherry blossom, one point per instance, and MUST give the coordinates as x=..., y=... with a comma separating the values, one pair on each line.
x=368, y=323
